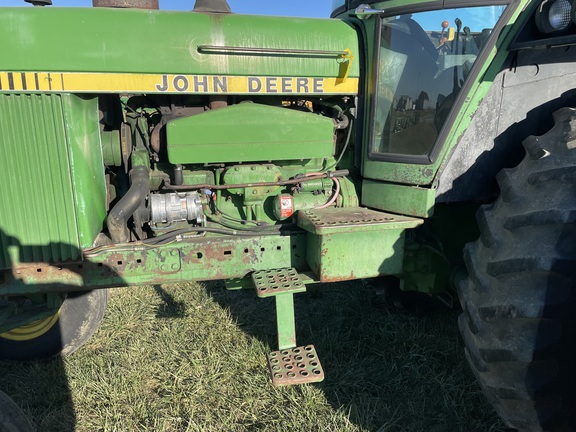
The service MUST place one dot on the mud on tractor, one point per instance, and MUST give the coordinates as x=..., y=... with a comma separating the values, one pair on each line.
x=428, y=142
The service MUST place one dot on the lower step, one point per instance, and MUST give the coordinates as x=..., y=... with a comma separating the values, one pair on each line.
x=298, y=365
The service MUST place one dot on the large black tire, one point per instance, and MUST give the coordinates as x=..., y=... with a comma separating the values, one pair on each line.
x=519, y=320
x=12, y=418
x=79, y=318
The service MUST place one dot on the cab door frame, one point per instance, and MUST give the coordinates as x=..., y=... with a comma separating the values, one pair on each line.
x=385, y=174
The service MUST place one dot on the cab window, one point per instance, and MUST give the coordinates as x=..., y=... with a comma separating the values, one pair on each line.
x=423, y=61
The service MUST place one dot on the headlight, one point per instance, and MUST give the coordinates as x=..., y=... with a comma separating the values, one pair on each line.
x=559, y=14
x=553, y=16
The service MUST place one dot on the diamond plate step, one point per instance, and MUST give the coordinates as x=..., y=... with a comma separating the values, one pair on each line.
x=277, y=281
x=298, y=365
x=352, y=219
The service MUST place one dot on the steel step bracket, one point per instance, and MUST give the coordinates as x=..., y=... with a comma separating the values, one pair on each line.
x=281, y=284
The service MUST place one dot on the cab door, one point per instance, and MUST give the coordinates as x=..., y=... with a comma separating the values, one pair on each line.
x=423, y=68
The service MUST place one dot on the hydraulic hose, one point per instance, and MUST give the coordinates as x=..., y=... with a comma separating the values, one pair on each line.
x=128, y=204
x=308, y=177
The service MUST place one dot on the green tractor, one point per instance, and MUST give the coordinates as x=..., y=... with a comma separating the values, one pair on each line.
x=428, y=143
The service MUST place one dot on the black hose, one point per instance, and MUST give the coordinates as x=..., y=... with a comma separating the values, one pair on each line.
x=128, y=204
x=182, y=232
x=342, y=121
x=348, y=136
x=183, y=235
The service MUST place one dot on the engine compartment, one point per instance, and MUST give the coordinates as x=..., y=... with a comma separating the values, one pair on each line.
x=178, y=164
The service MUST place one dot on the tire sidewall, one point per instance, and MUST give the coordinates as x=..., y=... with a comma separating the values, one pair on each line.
x=12, y=418
x=80, y=316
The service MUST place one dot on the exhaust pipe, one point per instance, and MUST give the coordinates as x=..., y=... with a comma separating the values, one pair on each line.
x=40, y=2
x=212, y=6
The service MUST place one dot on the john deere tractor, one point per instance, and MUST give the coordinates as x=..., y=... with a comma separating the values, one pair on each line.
x=429, y=143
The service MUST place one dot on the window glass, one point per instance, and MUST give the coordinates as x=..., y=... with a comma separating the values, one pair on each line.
x=337, y=3
x=424, y=61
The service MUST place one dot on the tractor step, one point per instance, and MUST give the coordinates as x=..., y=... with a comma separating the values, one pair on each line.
x=270, y=283
x=298, y=365
x=352, y=219
x=290, y=364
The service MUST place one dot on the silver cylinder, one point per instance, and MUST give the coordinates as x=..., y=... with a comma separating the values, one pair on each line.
x=172, y=207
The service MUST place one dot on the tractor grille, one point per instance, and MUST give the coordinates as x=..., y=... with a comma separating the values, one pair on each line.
x=37, y=210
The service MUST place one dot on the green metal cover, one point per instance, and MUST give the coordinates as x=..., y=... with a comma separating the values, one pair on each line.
x=167, y=42
x=249, y=132
x=354, y=243
x=53, y=191
x=403, y=199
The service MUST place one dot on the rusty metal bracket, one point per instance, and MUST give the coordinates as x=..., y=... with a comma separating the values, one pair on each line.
x=170, y=261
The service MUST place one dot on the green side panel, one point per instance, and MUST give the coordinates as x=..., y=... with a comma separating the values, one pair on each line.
x=37, y=216
x=141, y=41
x=249, y=132
x=339, y=257
x=86, y=165
x=52, y=193
x=408, y=200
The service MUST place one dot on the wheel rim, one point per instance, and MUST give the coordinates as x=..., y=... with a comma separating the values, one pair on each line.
x=31, y=331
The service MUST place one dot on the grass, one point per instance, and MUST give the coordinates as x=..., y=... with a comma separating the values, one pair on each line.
x=192, y=358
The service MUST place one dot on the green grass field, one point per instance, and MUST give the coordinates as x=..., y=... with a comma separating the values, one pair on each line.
x=192, y=358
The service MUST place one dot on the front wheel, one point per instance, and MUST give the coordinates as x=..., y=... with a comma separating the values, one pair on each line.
x=519, y=320
x=63, y=333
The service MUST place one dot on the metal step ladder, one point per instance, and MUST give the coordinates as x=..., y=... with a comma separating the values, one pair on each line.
x=291, y=364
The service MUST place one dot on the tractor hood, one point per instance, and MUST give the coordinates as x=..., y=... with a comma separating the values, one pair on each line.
x=131, y=50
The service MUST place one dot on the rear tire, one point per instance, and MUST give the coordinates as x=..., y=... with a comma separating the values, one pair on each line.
x=519, y=320
x=78, y=319
x=12, y=418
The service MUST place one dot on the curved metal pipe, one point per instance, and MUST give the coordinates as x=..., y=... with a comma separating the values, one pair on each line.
x=128, y=204
x=342, y=121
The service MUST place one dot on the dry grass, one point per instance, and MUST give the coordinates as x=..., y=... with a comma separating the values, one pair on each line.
x=192, y=358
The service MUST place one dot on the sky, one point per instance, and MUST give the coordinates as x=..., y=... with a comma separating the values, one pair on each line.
x=301, y=8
